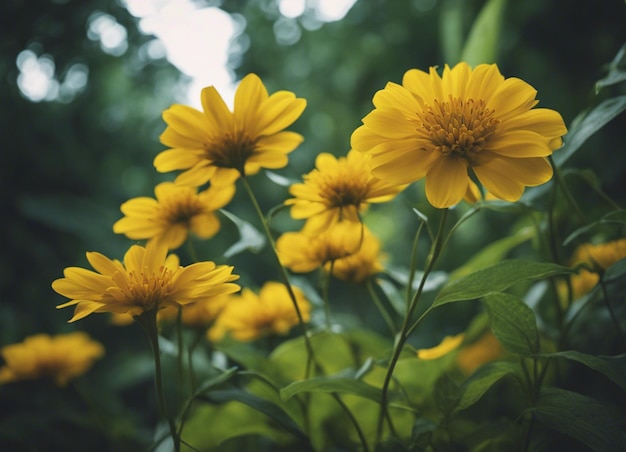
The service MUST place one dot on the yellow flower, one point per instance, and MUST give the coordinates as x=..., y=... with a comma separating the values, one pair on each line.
x=485, y=349
x=358, y=267
x=176, y=210
x=199, y=314
x=249, y=316
x=303, y=252
x=220, y=145
x=599, y=258
x=465, y=121
x=147, y=280
x=448, y=344
x=62, y=357
x=338, y=189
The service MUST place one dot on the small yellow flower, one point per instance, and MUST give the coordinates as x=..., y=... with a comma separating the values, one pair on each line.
x=62, y=358
x=360, y=266
x=599, y=258
x=485, y=349
x=465, y=121
x=249, y=316
x=177, y=210
x=220, y=145
x=147, y=280
x=448, y=344
x=303, y=252
x=338, y=189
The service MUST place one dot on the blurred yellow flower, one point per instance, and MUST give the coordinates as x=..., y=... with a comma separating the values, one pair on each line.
x=485, y=349
x=361, y=265
x=61, y=358
x=147, y=280
x=448, y=344
x=220, y=145
x=445, y=128
x=249, y=316
x=599, y=258
x=338, y=189
x=305, y=251
x=177, y=210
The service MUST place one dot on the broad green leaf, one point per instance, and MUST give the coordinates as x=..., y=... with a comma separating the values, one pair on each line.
x=259, y=404
x=344, y=385
x=590, y=124
x=482, y=42
x=613, y=367
x=482, y=380
x=496, y=278
x=580, y=417
x=617, y=70
x=249, y=237
x=513, y=323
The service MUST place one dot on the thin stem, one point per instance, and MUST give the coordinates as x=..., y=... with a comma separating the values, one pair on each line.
x=353, y=420
x=402, y=337
x=325, y=295
x=283, y=273
x=180, y=349
x=605, y=297
x=568, y=195
x=383, y=312
x=148, y=321
x=409, y=286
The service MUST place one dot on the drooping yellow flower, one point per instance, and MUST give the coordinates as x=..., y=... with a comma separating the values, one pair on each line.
x=303, y=252
x=338, y=189
x=61, y=358
x=448, y=344
x=220, y=145
x=147, y=280
x=599, y=257
x=249, y=316
x=445, y=128
x=176, y=211
x=361, y=265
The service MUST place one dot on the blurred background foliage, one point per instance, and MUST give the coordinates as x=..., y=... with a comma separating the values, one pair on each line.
x=69, y=161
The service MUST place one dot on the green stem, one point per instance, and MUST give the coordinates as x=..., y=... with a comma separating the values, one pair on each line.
x=283, y=272
x=353, y=420
x=402, y=337
x=148, y=320
x=605, y=297
x=383, y=312
x=568, y=195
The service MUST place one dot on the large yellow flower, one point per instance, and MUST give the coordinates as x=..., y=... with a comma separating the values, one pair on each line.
x=445, y=128
x=220, y=145
x=249, y=316
x=177, y=210
x=598, y=257
x=61, y=358
x=338, y=189
x=147, y=280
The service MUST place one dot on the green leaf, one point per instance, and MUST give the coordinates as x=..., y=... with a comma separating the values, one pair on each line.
x=617, y=70
x=259, y=404
x=581, y=418
x=616, y=217
x=613, y=367
x=484, y=378
x=345, y=385
x=590, y=124
x=451, y=29
x=481, y=45
x=214, y=381
x=513, y=323
x=447, y=393
x=249, y=237
x=496, y=278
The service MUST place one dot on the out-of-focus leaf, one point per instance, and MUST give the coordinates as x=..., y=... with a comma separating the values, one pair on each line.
x=482, y=42
x=580, y=417
x=613, y=367
x=332, y=384
x=451, y=29
x=616, y=217
x=216, y=380
x=513, y=323
x=482, y=380
x=249, y=237
x=447, y=393
x=617, y=70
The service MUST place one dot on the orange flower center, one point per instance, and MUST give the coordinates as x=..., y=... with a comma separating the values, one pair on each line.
x=146, y=290
x=346, y=190
x=180, y=209
x=231, y=151
x=459, y=127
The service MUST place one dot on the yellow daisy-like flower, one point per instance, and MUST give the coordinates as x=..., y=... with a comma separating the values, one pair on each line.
x=599, y=258
x=361, y=265
x=220, y=145
x=176, y=211
x=249, y=316
x=338, y=189
x=448, y=344
x=466, y=121
x=303, y=252
x=147, y=280
x=62, y=358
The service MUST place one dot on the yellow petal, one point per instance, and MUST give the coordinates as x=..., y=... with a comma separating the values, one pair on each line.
x=519, y=144
x=177, y=159
x=446, y=182
x=216, y=111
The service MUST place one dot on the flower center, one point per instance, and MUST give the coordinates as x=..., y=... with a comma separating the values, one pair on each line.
x=460, y=127
x=231, y=151
x=181, y=209
x=345, y=190
x=147, y=290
